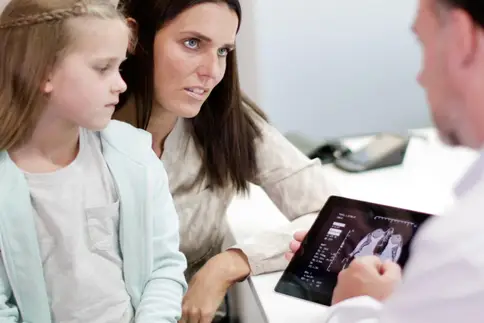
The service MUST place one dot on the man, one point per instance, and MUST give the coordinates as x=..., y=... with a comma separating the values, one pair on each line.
x=444, y=278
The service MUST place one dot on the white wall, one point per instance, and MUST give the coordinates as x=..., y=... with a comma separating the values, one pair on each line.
x=330, y=68
x=3, y=4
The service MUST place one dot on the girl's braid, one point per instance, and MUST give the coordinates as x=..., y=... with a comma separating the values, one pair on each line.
x=78, y=9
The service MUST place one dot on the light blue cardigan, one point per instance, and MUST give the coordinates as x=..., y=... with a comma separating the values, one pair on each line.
x=149, y=239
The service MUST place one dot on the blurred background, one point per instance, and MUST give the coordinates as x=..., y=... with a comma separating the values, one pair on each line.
x=325, y=68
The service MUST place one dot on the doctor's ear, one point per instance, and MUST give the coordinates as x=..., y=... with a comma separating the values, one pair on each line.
x=133, y=38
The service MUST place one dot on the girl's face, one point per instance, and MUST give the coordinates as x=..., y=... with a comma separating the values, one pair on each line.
x=85, y=85
x=190, y=57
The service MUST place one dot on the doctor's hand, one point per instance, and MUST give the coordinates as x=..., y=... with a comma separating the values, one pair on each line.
x=295, y=244
x=367, y=276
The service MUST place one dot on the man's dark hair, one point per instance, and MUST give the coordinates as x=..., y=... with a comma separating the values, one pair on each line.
x=475, y=8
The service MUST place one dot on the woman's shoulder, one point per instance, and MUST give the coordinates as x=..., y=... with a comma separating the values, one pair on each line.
x=258, y=117
x=270, y=137
x=3, y=156
x=275, y=152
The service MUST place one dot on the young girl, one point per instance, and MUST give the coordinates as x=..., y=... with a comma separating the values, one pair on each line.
x=88, y=230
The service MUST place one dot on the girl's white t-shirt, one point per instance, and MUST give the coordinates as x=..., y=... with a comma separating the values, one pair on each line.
x=77, y=219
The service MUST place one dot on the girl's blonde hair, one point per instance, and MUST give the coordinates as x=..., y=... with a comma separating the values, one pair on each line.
x=35, y=35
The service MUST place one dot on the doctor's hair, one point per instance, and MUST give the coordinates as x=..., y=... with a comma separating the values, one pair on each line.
x=35, y=36
x=474, y=8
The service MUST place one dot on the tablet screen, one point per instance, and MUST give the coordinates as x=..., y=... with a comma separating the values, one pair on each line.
x=344, y=230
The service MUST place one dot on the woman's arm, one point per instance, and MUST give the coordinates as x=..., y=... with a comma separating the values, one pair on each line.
x=162, y=296
x=298, y=187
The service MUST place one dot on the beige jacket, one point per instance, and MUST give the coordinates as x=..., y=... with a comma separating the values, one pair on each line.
x=295, y=184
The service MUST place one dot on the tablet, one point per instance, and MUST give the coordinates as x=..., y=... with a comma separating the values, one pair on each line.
x=344, y=230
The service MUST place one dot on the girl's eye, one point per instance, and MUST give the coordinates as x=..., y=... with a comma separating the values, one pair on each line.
x=192, y=43
x=102, y=69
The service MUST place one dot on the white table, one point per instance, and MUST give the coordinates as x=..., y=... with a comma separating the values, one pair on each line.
x=424, y=182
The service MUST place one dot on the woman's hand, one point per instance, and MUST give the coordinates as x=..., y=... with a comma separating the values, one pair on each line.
x=295, y=244
x=207, y=289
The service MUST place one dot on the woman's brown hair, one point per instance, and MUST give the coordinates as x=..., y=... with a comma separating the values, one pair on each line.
x=225, y=130
x=35, y=35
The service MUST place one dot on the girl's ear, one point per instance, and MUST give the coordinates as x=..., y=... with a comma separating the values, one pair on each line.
x=133, y=39
x=48, y=87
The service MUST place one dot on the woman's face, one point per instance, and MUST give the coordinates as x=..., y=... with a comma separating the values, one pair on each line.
x=190, y=56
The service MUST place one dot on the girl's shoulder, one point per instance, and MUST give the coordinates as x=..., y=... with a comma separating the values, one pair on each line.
x=123, y=137
x=3, y=156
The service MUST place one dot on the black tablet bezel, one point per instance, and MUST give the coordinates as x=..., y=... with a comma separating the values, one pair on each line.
x=291, y=285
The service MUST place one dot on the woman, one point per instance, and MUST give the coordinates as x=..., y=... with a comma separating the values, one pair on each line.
x=183, y=87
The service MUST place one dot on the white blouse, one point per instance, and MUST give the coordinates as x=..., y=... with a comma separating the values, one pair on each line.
x=294, y=183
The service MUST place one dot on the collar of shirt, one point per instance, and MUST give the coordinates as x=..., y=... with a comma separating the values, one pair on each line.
x=473, y=176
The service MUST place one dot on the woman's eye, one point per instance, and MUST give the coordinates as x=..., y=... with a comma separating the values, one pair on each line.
x=192, y=43
x=223, y=52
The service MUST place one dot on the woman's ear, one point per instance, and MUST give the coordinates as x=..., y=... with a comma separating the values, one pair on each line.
x=133, y=39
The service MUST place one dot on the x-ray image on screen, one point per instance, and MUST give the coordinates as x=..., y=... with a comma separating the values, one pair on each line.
x=392, y=249
x=385, y=244
x=379, y=236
